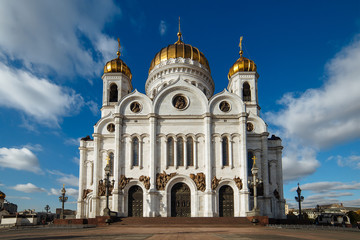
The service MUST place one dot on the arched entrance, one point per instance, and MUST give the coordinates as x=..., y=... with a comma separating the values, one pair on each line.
x=180, y=200
x=135, y=202
x=226, y=201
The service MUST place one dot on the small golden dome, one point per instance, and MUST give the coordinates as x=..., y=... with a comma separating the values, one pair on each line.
x=2, y=195
x=117, y=65
x=243, y=64
x=179, y=49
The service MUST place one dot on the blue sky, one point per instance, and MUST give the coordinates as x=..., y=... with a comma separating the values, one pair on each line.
x=52, y=55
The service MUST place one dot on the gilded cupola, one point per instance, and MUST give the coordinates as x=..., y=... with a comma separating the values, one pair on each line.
x=179, y=49
x=179, y=61
x=117, y=65
x=243, y=64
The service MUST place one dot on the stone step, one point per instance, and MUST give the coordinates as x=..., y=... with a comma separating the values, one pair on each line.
x=193, y=221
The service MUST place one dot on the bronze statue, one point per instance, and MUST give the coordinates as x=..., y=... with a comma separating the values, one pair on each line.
x=123, y=181
x=86, y=192
x=162, y=179
x=199, y=180
x=215, y=183
x=146, y=181
x=238, y=182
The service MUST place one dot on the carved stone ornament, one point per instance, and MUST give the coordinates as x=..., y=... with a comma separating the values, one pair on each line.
x=180, y=102
x=102, y=188
x=135, y=107
x=146, y=181
x=86, y=192
x=111, y=127
x=224, y=106
x=249, y=127
x=123, y=181
x=162, y=179
x=215, y=183
x=199, y=180
x=238, y=182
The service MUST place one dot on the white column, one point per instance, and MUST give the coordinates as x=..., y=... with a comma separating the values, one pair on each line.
x=244, y=192
x=175, y=154
x=153, y=203
x=185, y=154
x=231, y=162
x=97, y=176
x=196, y=153
x=82, y=181
x=208, y=167
x=115, y=193
x=164, y=157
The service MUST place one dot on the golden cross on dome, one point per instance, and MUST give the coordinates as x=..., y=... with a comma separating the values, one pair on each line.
x=119, y=46
x=179, y=34
x=240, y=45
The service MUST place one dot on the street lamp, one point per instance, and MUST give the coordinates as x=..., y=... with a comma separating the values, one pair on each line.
x=62, y=199
x=299, y=199
x=254, y=183
x=47, y=208
x=107, y=186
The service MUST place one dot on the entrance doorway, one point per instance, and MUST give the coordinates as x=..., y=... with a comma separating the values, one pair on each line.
x=135, y=202
x=226, y=201
x=180, y=200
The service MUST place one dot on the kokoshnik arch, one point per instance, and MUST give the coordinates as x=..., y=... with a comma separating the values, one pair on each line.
x=180, y=150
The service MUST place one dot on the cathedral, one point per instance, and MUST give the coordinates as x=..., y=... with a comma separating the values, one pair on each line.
x=179, y=150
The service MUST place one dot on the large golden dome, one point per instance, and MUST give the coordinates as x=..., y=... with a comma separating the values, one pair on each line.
x=243, y=64
x=179, y=49
x=117, y=65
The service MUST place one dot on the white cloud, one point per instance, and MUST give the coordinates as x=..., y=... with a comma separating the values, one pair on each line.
x=34, y=147
x=28, y=188
x=162, y=27
x=39, y=98
x=328, y=115
x=67, y=179
x=76, y=160
x=19, y=159
x=352, y=161
x=16, y=197
x=38, y=34
x=298, y=162
x=321, y=187
x=94, y=108
x=69, y=192
x=73, y=141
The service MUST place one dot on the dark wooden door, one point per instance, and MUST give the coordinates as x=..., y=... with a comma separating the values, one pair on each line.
x=226, y=201
x=135, y=202
x=180, y=200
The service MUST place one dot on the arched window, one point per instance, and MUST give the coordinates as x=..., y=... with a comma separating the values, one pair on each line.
x=225, y=151
x=190, y=151
x=246, y=92
x=111, y=156
x=250, y=162
x=113, y=93
x=135, y=151
x=170, y=151
x=180, y=151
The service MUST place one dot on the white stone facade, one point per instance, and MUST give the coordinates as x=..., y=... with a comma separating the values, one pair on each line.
x=208, y=136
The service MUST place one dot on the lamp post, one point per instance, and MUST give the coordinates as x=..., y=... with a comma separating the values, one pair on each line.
x=62, y=199
x=254, y=183
x=299, y=199
x=47, y=208
x=107, y=186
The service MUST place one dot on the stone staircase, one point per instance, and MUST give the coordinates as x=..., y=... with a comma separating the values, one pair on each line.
x=183, y=221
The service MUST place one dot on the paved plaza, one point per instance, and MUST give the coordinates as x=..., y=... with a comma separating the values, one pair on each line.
x=177, y=232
